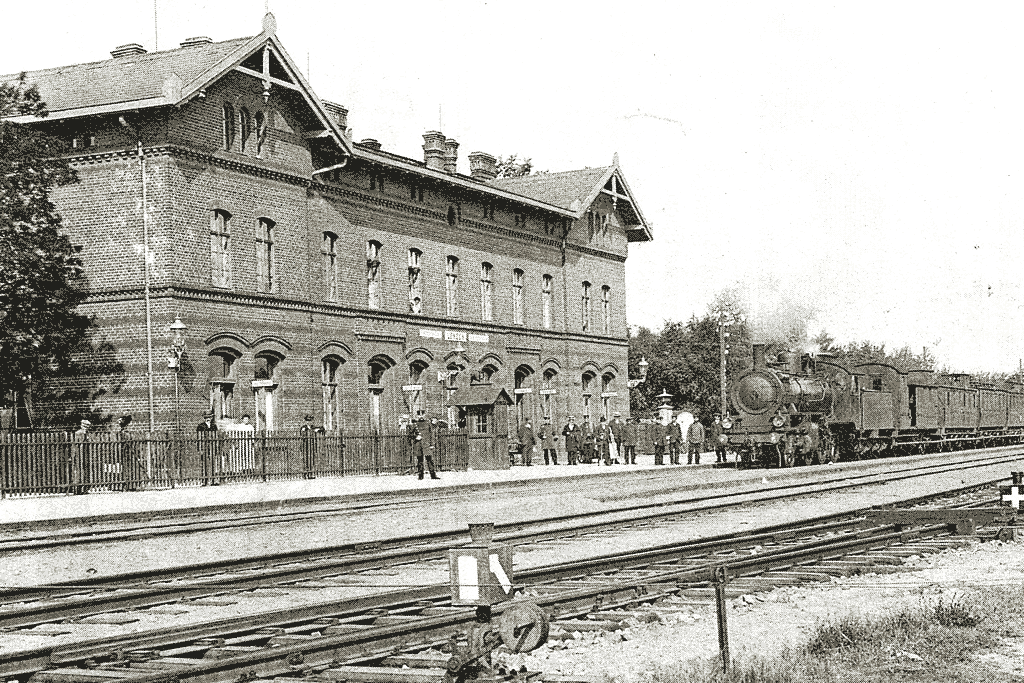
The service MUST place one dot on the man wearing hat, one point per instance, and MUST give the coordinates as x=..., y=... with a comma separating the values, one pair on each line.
x=695, y=438
x=615, y=446
x=716, y=432
x=424, y=437
x=573, y=440
x=207, y=445
x=528, y=441
x=601, y=438
x=309, y=435
x=629, y=441
x=78, y=470
x=129, y=467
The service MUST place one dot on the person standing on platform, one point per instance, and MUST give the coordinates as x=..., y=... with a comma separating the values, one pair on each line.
x=629, y=441
x=716, y=438
x=127, y=455
x=424, y=437
x=615, y=447
x=695, y=437
x=208, y=446
x=528, y=441
x=548, y=441
x=573, y=440
x=601, y=438
x=660, y=437
x=80, y=460
x=309, y=435
x=675, y=441
x=588, y=440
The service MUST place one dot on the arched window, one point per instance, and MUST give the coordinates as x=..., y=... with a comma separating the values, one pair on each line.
x=546, y=299
x=264, y=389
x=377, y=368
x=330, y=370
x=220, y=248
x=518, y=276
x=606, y=308
x=523, y=390
x=261, y=132
x=415, y=281
x=373, y=273
x=414, y=397
x=606, y=394
x=329, y=250
x=244, y=130
x=585, y=306
x=486, y=291
x=223, y=368
x=265, y=269
x=229, y=126
x=451, y=285
x=547, y=394
x=587, y=387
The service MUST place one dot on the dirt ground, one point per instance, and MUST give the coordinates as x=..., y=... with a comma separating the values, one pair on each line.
x=764, y=623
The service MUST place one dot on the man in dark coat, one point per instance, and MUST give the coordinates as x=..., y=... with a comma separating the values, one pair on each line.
x=695, y=437
x=310, y=446
x=209, y=448
x=573, y=441
x=675, y=440
x=660, y=436
x=548, y=443
x=528, y=441
x=128, y=455
x=424, y=435
x=628, y=443
x=588, y=441
x=716, y=432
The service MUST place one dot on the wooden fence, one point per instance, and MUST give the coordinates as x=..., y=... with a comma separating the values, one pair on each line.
x=34, y=464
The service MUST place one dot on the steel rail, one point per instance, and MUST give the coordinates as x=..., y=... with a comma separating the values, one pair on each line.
x=65, y=601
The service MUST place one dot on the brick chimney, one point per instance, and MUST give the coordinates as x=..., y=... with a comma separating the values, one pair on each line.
x=434, y=150
x=482, y=166
x=198, y=40
x=127, y=50
x=338, y=113
x=451, y=155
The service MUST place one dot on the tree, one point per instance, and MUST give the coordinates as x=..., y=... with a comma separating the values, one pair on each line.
x=512, y=167
x=39, y=267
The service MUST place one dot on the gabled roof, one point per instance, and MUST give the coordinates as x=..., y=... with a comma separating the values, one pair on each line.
x=173, y=77
x=577, y=190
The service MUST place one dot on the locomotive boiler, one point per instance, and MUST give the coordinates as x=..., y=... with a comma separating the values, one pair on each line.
x=801, y=409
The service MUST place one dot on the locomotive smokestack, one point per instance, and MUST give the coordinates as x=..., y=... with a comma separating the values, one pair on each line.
x=758, y=355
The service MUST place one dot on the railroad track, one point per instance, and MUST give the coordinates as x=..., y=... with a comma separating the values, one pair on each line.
x=371, y=640
x=28, y=607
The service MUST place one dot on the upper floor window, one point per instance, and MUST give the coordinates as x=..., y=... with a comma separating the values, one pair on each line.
x=261, y=132
x=244, y=130
x=585, y=307
x=329, y=249
x=265, y=268
x=229, y=126
x=415, y=281
x=451, y=285
x=220, y=248
x=518, y=277
x=546, y=299
x=606, y=308
x=486, y=291
x=373, y=273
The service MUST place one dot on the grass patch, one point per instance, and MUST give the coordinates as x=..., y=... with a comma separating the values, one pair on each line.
x=933, y=641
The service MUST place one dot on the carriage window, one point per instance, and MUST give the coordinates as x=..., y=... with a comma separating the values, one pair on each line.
x=876, y=383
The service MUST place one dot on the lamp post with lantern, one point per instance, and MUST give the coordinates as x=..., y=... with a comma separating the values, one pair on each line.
x=174, y=354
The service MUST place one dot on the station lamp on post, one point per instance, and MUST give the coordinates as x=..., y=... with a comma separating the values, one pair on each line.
x=643, y=365
x=726, y=318
x=177, y=330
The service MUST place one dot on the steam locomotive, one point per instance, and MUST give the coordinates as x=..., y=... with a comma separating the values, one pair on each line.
x=811, y=409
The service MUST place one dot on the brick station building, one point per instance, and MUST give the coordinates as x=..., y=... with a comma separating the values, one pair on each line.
x=320, y=275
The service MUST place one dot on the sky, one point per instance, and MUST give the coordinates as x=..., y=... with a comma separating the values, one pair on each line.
x=855, y=165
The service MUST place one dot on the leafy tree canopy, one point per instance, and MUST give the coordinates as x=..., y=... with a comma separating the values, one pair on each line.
x=513, y=167
x=39, y=328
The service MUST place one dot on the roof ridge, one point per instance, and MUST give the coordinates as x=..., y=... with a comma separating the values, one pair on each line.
x=146, y=56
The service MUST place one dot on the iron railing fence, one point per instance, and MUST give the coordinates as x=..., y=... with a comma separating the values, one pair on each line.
x=55, y=463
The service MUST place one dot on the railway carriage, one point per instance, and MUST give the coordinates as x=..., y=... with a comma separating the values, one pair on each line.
x=804, y=410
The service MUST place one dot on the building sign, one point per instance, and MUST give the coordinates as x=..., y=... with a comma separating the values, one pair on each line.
x=455, y=335
x=412, y=387
x=482, y=338
x=523, y=391
x=609, y=394
x=431, y=334
x=548, y=392
x=452, y=335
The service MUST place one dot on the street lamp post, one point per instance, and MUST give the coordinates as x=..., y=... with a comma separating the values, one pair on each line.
x=177, y=349
x=726, y=319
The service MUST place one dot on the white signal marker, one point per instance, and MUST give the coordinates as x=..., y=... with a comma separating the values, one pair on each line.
x=499, y=572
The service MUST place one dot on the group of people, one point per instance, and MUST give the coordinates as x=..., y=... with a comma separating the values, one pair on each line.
x=671, y=437
x=608, y=442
